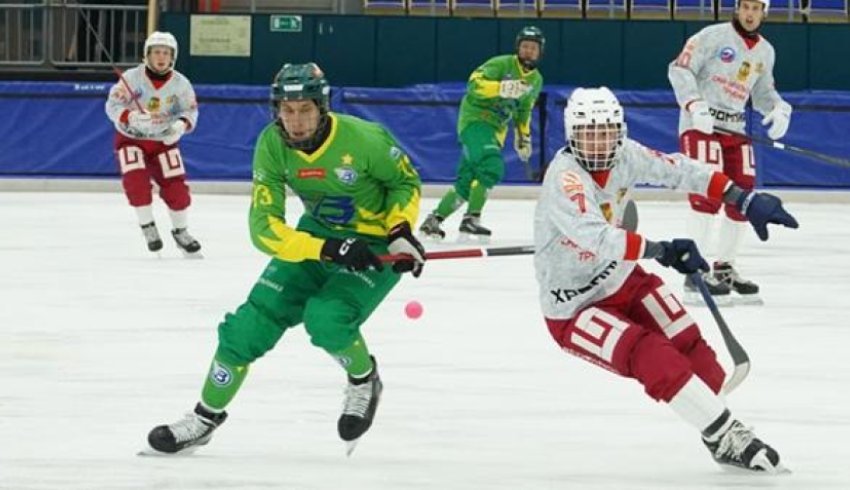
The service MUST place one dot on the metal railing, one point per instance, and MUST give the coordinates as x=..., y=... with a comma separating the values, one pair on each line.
x=62, y=34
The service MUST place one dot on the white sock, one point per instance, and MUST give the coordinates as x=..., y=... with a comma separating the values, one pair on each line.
x=730, y=239
x=699, y=229
x=697, y=405
x=144, y=214
x=179, y=219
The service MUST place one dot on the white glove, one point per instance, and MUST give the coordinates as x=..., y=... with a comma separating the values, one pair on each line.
x=143, y=122
x=513, y=89
x=779, y=119
x=701, y=117
x=175, y=131
x=522, y=145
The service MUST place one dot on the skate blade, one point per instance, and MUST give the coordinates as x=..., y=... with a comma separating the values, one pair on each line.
x=350, y=446
x=692, y=298
x=464, y=237
x=748, y=300
x=430, y=237
x=150, y=452
x=192, y=255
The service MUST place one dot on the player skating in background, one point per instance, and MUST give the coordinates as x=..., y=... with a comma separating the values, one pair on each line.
x=149, y=122
x=600, y=305
x=361, y=196
x=504, y=88
x=720, y=68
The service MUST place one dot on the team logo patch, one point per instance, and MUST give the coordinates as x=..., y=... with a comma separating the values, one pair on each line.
x=744, y=72
x=346, y=175
x=220, y=375
x=312, y=173
x=727, y=54
x=395, y=152
x=154, y=104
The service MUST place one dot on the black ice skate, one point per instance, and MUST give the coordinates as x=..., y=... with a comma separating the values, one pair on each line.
x=195, y=429
x=471, y=229
x=361, y=402
x=739, y=448
x=152, y=238
x=186, y=242
x=430, y=228
x=747, y=292
x=719, y=291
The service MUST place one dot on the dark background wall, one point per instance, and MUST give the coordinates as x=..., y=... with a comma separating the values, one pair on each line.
x=380, y=51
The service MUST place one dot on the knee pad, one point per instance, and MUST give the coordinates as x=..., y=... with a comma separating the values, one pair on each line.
x=491, y=170
x=659, y=366
x=247, y=334
x=703, y=204
x=137, y=188
x=331, y=325
x=175, y=193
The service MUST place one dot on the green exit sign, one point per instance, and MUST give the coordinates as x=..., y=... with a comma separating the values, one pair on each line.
x=286, y=23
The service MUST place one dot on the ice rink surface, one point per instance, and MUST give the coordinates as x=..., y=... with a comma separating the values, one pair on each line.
x=99, y=342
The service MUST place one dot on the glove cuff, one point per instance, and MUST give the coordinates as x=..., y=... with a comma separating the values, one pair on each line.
x=330, y=249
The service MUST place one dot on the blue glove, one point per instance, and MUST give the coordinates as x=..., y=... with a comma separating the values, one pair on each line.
x=683, y=255
x=762, y=208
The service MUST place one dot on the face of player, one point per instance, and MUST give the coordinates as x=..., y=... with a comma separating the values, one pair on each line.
x=596, y=143
x=159, y=58
x=528, y=52
x=300, y=119
x=750, y=14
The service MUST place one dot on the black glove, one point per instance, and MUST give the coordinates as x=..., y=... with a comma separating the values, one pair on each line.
x=681, y=254
x=351, y=253
x=402, y=241
x=762, y=208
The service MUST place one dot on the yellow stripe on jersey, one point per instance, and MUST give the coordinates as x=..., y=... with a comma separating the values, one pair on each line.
x=289, y=244
x=483, y=87
x=410, y=212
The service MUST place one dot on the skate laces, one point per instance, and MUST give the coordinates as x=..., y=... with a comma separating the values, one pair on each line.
x=735, y=441
x=193, y=426
x=357, y=398
x=150, y=232
x=730, y=274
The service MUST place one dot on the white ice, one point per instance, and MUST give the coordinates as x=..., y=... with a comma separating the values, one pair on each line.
x=99, y=342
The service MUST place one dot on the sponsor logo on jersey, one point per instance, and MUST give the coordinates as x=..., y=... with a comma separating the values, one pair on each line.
x=564, y=295
x=395, y=152
x=312, y=173
x=727, y=54
x=346, y=175
x=220, y=375
x=583, y=254
x=724, y=116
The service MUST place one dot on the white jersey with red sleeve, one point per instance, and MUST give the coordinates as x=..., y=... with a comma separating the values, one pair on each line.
x=718, y=66
x=172, y=100
x=581, y=255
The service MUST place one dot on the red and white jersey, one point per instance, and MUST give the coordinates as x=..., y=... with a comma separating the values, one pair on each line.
x=173, y=100
x=721, y=67
x=581, y=253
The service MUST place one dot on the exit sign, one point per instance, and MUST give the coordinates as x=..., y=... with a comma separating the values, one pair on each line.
x=286, y=23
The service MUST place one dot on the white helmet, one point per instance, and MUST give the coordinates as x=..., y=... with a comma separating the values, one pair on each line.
x=161, y=39
x=595, y=127
x=766, y=4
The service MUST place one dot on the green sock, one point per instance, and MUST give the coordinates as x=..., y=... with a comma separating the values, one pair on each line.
x=222, y=383
x=355, y=358
x=477, y=198
x=450, y=202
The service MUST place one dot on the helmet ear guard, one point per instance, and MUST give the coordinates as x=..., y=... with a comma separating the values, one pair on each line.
x=594, y=119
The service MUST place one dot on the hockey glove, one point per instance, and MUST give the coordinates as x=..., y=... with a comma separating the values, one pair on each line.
x=402, y=241
x=522, y=145
x=351, y=253
x=702, y=119
x=175, y=131
x=762, y=209
x=681, y=254
x=779, y=119
x=144, y=123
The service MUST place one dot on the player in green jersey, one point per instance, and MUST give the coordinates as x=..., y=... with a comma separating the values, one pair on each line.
x=361, y=195
x=502, y=89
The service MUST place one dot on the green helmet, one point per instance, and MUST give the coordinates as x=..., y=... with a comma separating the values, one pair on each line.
x=530, y=33
x=301, y=82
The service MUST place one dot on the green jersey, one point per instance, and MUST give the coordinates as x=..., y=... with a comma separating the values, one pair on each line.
x=358, y=183
x=483, y=104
